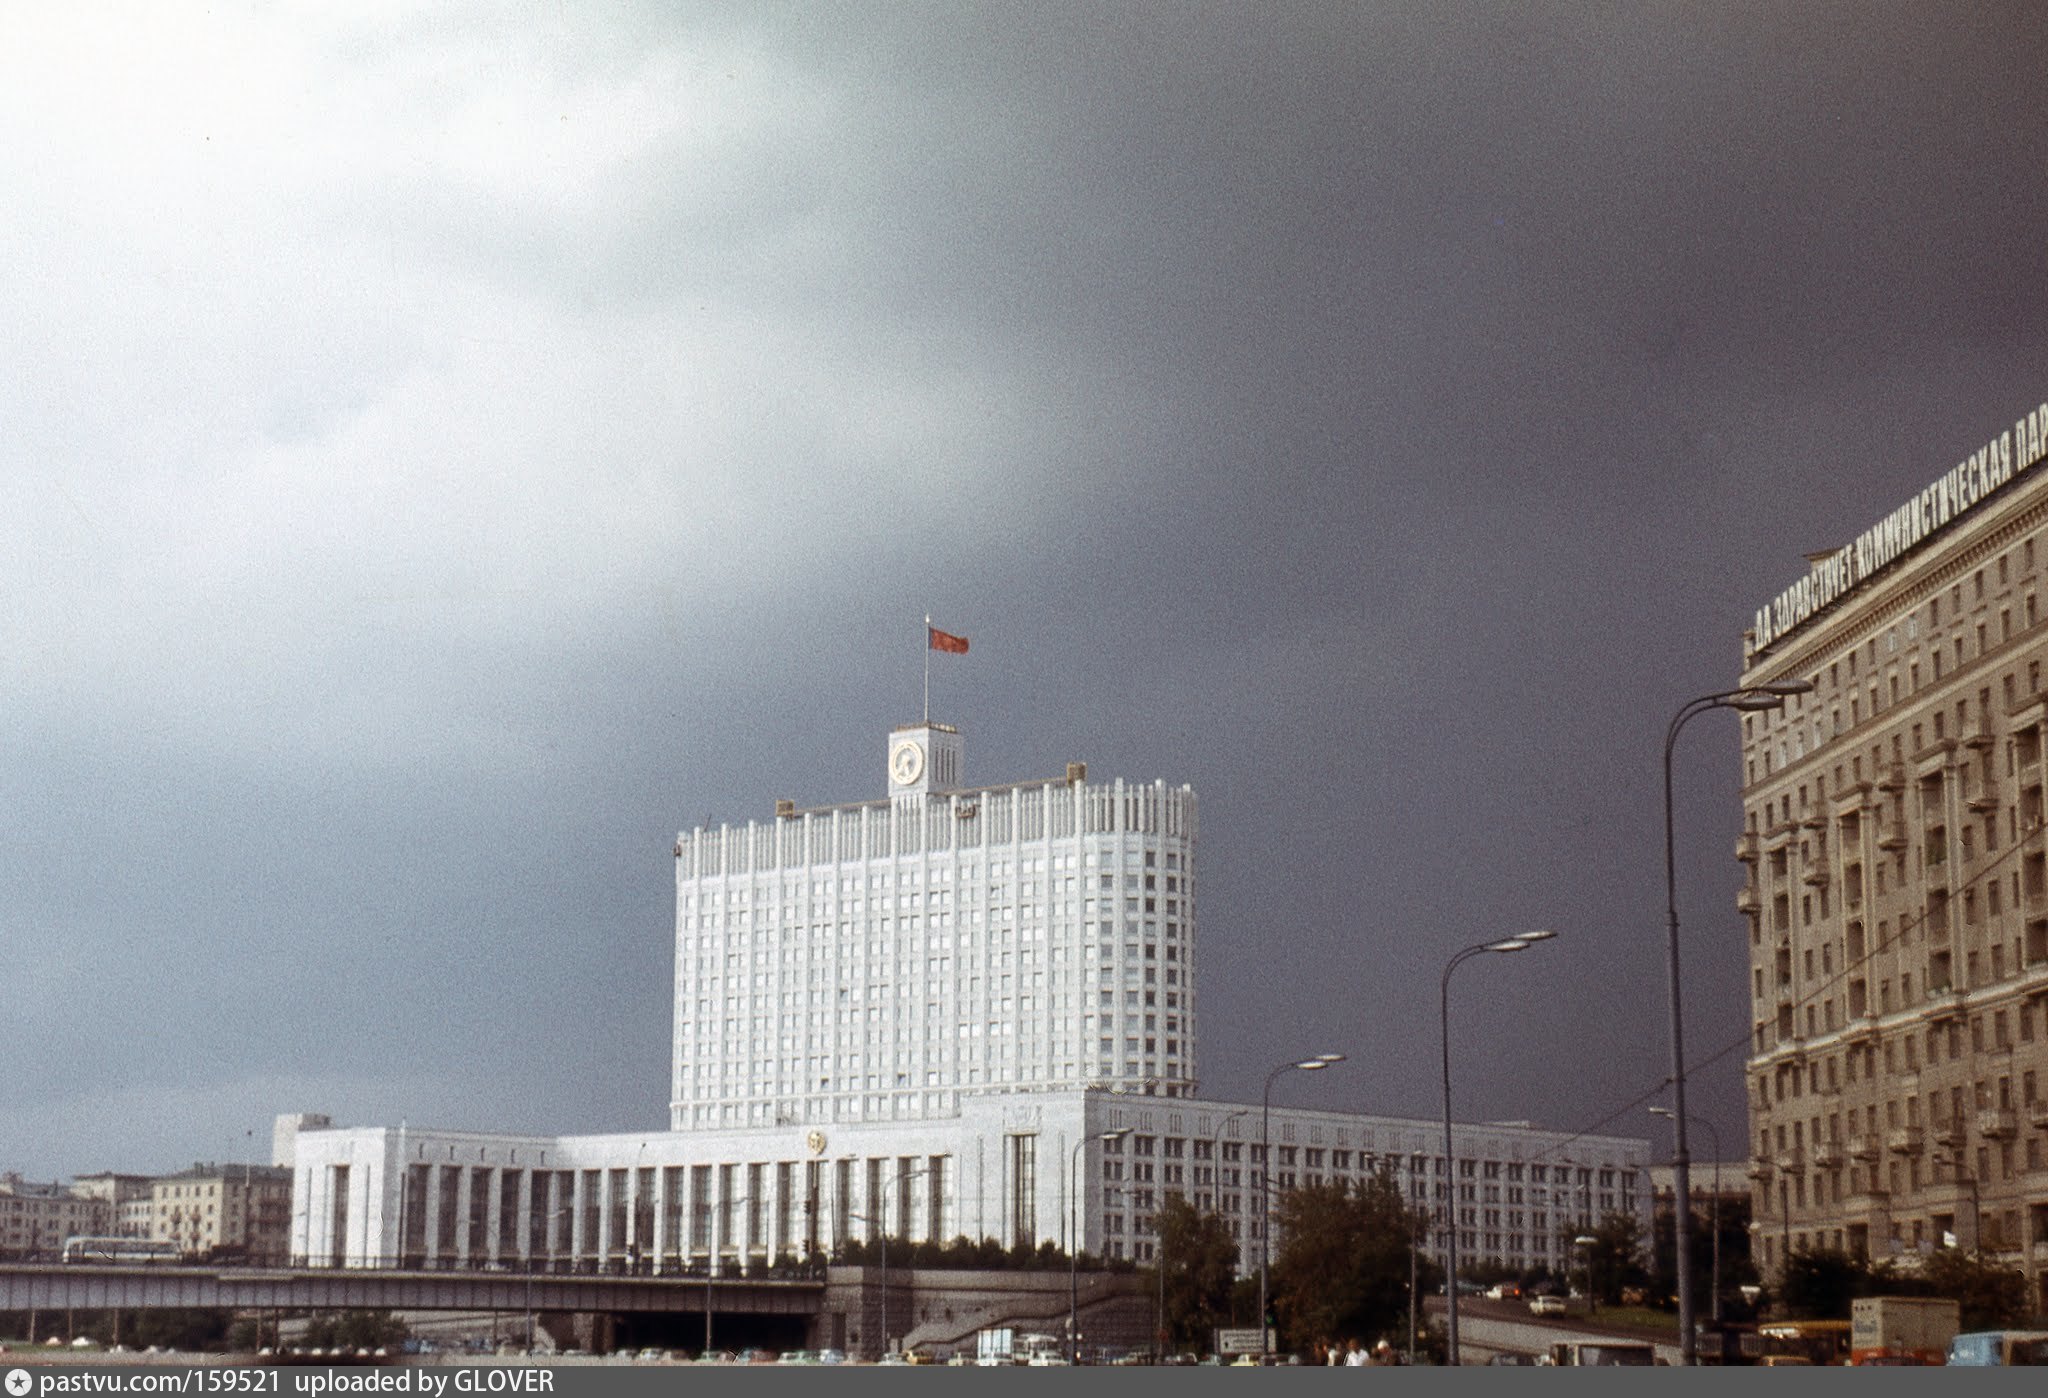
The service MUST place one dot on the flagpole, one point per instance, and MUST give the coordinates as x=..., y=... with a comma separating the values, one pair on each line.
x=927, y=668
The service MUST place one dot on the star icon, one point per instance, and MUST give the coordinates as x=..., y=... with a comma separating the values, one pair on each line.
x=19, y=1383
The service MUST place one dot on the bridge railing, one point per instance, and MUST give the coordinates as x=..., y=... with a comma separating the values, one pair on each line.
x=666, y=1269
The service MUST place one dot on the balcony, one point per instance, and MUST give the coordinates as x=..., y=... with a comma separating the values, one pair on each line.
x=1981, y=740
x=1817, y=876
x=1864, y=1148
x=1998, y=1123
x=2037, y=1112
x=1746, y=847
x=1985, y=800
x=1793, y=1161
x=1893, y=840
x=1827, y=1156
x=1904, y=1140
x=1893, y=778
x=1759, y=1169
x=1950, y=1134
x=1747, y=901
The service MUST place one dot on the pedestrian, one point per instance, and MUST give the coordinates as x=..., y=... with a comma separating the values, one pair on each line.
x=1354, y=1354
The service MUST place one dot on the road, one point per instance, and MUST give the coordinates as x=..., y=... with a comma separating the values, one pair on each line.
x=1486, y=1328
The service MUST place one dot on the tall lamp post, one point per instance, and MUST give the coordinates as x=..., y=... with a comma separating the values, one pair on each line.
x=1684, y=1208
x=1589, y=1242
x=1304, y=1065
x=1074, y=1239
x=1502, y=945
x=883, y=1223
x=1761, y=698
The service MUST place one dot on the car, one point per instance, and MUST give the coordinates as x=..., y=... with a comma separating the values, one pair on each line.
x=1511, y=1357
x=796, y=1356
x=1504, y=1291
x=1547, y=1305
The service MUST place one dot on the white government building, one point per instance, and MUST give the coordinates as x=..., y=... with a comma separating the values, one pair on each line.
x=920, y=1015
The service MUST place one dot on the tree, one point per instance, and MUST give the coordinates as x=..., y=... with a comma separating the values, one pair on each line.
x=1343, y=1265
x=1614, y=1257
x=1736, y=1267
x=1819, y=1284
x=1991, y=1296
x=1200, y=1258
x=355, y=1330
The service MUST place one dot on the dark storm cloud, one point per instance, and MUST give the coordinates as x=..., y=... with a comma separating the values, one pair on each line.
x=457, y=450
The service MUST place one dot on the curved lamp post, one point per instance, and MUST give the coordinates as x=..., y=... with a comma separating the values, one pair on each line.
x=1074, y=1238
x=1503, y=945
x=1304, y=1065
x=1714, y=1284
x=1761, y=698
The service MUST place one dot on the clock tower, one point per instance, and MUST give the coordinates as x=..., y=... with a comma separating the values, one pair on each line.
x=924, y=759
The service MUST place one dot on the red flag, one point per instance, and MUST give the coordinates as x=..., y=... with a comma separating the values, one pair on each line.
x=947, y=641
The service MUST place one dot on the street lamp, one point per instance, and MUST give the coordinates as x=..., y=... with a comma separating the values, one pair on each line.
x=1589, y=1242
x=1759, y=698
x=1713, y=1135
x=1305, y=1065
x=1074, y=1239
x=883, y=1223
x=1504, y=945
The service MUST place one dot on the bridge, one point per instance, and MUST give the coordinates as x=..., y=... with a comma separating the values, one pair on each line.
x=26, y=1286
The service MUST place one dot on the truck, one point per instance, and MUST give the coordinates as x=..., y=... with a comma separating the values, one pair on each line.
x=996, y=1345
x=1902, y=1329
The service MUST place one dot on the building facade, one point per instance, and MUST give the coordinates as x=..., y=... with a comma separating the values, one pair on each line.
x=130, y=1199
x=876, y=961
x=1020, y=1168
x=1896, y=898
x=240, y=1211
x=35, y=1219
x=918, y=1016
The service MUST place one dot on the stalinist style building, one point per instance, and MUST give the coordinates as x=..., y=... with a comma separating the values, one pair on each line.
x=1897, y=893
x=919, y=1014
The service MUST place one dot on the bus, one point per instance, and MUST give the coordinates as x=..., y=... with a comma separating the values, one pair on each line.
x=83, y=1249
x=1803, y=1342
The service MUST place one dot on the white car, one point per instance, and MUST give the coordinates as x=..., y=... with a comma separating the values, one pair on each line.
x=1547, y=1305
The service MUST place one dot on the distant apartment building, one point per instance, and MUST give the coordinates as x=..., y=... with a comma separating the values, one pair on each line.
x=239, y=1211
x=131, y=1201
x=1896, y=903
x=35, y=1219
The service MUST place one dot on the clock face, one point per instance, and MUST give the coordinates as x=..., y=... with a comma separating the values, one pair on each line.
x=906, y=761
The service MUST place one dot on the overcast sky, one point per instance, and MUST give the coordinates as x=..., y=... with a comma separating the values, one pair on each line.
x=448, y=448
